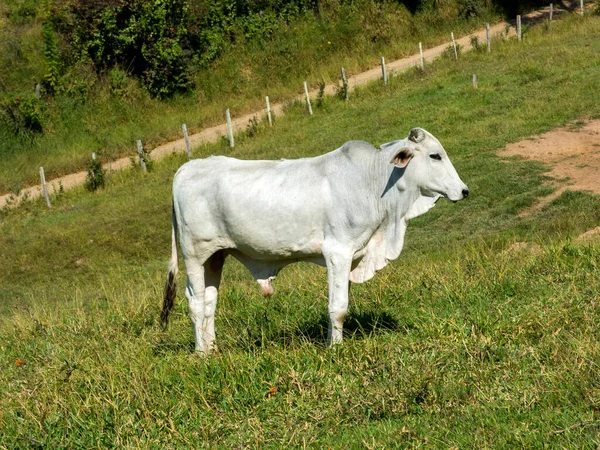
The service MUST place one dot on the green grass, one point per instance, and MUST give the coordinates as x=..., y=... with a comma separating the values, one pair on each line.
x=459, y=343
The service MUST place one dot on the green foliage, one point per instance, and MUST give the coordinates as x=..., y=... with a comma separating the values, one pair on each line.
x=321, y=94
x=95, y=175
x=147, y=159
x=23, y=115
x=341, y=91
x=448, y=52
x=118, y=81
x=252, y=127
x=51, y=77
x=20, y=12
x=596, y=8
x=473, y=8
x=147, y=37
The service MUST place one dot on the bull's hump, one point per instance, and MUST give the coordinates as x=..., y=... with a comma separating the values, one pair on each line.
x=352, y=147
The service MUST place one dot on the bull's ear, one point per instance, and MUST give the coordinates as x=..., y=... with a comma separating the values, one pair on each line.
x=416, y=135
x=402, y=157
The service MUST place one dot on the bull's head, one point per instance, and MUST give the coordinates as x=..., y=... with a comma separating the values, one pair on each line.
x=426, y=165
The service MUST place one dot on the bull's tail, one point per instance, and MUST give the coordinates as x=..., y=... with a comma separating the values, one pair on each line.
x=171, y=285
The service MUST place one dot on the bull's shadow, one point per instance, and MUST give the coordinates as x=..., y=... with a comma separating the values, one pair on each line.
x=356, y=326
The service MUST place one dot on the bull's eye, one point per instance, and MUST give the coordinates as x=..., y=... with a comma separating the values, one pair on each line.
x=436, y=156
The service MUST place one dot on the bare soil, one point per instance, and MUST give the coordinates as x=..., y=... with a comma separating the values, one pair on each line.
x=572, y=154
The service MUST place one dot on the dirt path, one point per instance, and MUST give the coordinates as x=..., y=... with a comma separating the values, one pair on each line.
x=213, y=134
x=572, y=154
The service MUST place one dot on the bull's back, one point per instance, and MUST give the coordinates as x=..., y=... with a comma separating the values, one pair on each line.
x=263, y=208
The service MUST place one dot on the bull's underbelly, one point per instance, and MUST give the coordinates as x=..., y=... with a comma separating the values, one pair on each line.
x=277, y=249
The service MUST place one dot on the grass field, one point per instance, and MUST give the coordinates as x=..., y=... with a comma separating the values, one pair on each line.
x=466, y=341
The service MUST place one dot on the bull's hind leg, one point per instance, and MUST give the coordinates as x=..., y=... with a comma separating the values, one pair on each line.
x=212, y=278
x=195, y=293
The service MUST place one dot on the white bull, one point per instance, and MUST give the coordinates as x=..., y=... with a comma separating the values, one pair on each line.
x=347, y=210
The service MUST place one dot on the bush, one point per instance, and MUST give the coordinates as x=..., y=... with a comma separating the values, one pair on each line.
x=118, y=81
x=95, y=175
x=321, y=95
x=252, y=127
x=23, y=114
x=163, y=42
x=51, y=55
x=21, y=12
x=148, y=37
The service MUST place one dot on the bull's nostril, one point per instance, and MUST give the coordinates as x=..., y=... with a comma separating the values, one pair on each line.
x=465, y=193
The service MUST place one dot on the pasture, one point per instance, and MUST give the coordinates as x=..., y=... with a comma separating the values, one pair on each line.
x=483, y=334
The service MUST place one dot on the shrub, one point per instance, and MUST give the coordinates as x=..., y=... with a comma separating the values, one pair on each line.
x=477, y=46
x=78, y=82
x=473, y=8
x=321, y=94
x=118, y=81
x=51, y=55
x=95, y=175
x=342, y=90
x=21, y=12
x=252, y=127
x=23, y=114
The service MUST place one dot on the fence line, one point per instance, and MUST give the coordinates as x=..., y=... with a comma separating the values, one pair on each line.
x=214, y=133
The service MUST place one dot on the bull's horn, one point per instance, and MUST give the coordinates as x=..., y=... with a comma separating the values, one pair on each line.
x=416, y=135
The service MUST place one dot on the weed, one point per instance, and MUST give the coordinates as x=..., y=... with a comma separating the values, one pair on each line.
x=118, y=81
x=321, y=94
x=23, y=115
x=252, y=127
x=95, y=175
x=147, y=159
x=51, y=77
x=342, y=91
x=449, y=53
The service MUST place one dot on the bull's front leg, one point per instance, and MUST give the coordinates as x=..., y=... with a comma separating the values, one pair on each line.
x=338, y=275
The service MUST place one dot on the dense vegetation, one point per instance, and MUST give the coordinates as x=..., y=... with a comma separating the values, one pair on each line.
x=466, y=341
x=114, y=71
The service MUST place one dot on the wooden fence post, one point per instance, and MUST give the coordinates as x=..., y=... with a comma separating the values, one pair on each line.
x=475, y=81
x=454, y=44
x=421, y=54
x=519, y=28
x=187, y=140
x=269, y=111
x=550, y=17
x=383, y=71
x=229, y=128
x=140, y=150
x=38, y=89
x=44, y=187
x=345, y=84
x=307, y=99
x=488, y=36
x=581, y=6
